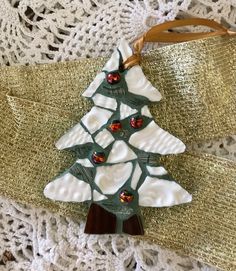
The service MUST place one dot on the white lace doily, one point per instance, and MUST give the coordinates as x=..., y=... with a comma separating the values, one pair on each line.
x=43, y=31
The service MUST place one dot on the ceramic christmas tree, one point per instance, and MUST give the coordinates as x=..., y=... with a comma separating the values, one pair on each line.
x=118, y=145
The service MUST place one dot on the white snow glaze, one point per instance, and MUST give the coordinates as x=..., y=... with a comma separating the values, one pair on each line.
x=97, y=196
x=120, y=152
x=145, y=111
x=75, y=136
x=104, y=138
x=155, y=192
x=68, y=188
x=94, y=85
x=84, y=162
x=95, y=118
x=111, y=178
x=156, y=170
x=154, y=139
x=136, y=175
x=126, y=111
x=125, y=49
x=104, y=101
x=138, y=84
x=113, y=63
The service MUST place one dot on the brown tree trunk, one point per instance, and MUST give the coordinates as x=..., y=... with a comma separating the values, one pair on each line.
x=100, y=221
x=133, y=226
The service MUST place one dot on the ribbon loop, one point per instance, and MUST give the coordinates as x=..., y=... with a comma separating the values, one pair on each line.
x=157, y=34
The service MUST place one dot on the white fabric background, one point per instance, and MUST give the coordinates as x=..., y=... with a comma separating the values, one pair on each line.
x=46, y=31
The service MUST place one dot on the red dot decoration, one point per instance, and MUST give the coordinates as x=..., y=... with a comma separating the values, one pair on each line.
x=136, y=122
x=115, y=126
x=98, y=157
x=113, y=78
x=126, y=196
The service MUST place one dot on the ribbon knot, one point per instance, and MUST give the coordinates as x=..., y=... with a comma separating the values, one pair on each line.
x=135, y=59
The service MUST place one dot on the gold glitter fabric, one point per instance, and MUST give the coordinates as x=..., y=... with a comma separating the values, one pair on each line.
x=197, y=80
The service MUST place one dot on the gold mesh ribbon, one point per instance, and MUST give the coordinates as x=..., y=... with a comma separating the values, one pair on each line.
x=197, y=80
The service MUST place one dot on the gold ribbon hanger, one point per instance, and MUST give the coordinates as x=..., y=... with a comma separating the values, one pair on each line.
x=197, y=80
x=157, y=34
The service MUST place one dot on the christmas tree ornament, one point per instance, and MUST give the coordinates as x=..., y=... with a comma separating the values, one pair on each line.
x=120, y=144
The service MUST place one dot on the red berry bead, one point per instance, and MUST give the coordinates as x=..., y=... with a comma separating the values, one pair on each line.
x=98, y=157
x=126, y=196
x=136, y=122
x=115, y=126
x=113, y=78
